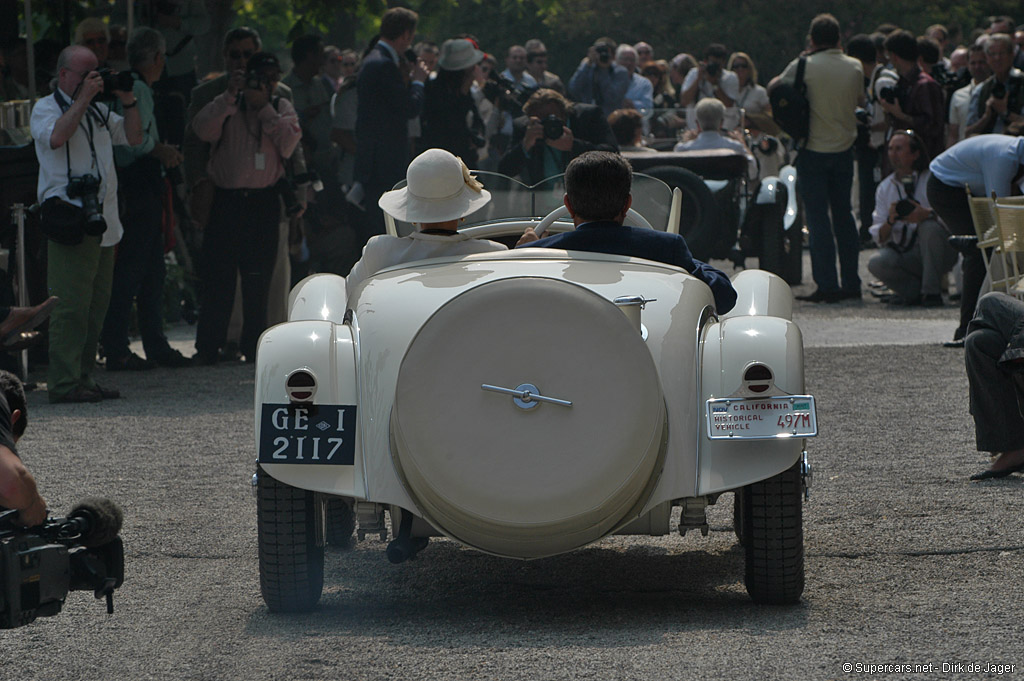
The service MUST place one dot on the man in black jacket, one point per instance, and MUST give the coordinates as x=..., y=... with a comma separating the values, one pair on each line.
x=535, y=154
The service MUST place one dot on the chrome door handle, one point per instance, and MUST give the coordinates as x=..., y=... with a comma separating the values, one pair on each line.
x=526, y=395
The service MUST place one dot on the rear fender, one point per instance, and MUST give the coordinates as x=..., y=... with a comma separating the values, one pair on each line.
x=730, y=346
x=327, y=351
x=319, y=297
x=761, y=293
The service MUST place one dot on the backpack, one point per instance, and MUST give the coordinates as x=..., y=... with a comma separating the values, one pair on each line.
x=790, y=107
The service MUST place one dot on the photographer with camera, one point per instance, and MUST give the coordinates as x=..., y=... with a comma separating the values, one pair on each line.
x=74, y=142
x=252, y=134
x=1000, y=99
x=17, y=486
x=139, y=269
x=914, y=253
x=553, y=132
x=598, y=80
x=711, y=79
x=917, y=102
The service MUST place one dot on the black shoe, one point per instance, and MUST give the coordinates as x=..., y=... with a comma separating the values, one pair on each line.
x=77, y=395
x=958, y=343
x=896, y=300
x=989, y=474
x=107, y=393
x=205, y=359
x=850, y=295
x=230, y=352
x=130, y=362
x=963, y=243
x=820, y=296
x=931, y=300
x=173, y=359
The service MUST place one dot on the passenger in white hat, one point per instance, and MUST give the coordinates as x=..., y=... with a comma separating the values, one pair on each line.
x=440, y=193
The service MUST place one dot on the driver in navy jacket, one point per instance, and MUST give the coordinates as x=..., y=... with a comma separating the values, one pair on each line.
x=597, y=195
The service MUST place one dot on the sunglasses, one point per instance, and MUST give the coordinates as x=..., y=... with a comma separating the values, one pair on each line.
x=741, y=65
x=240, y=54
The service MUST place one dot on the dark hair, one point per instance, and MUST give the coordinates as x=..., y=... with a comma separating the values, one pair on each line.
x=624, y=124
x=928, y=49
x=825, y=31
x=545, y=96
x=903, y=44
x=262, y=61
x=975, y=47
x=916, y=144
x=306, y=45
x=716, y=50
x=598, y=184
x=242, y=33
x=862, y=47
x=397, y=21
x=451, y=82
x=533, y=56
x=14, y=392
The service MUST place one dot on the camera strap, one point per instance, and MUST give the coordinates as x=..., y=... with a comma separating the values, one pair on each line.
x=86, y=127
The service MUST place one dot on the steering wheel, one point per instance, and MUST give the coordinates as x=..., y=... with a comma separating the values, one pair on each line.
x=561, y=212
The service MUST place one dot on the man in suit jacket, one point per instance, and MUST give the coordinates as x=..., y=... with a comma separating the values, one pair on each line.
x=535, y=156
x=597, y=195
x=390, y=92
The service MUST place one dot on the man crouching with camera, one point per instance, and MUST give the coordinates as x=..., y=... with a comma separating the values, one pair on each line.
x=74, y=140
x=17, y=486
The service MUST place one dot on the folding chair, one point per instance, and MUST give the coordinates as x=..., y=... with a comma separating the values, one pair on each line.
x=983, y=216
x=1010, y=224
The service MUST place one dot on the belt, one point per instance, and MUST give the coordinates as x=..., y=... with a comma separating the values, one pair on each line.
x=246, y=192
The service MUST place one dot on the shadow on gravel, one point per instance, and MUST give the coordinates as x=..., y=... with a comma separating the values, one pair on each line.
x=597, y=597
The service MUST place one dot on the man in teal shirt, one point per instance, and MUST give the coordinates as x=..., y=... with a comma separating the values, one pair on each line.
x=139, y=269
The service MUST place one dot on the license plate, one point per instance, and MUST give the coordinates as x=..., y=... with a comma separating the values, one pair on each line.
x=761, y=418
x=316, y=434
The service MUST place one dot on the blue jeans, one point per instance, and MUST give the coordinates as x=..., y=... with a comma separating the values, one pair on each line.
x=824, y=182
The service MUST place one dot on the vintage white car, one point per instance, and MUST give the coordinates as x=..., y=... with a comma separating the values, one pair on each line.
x=529, y=403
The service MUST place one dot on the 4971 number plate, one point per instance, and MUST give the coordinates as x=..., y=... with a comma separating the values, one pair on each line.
x=316, y=434
x=762, y=418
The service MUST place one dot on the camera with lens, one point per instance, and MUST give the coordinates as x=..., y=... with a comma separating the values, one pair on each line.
x=950, y=80
x=87, y=188
x=553, y=127
x=604, y=52
x=114, y=81
x=40, y=565
x=904, y=207
x=999, y=90
x=887, y=93
x=712, y=68
x=256, y=80
x=510, y=96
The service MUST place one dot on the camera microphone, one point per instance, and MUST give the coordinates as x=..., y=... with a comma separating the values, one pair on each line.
x=96, y=520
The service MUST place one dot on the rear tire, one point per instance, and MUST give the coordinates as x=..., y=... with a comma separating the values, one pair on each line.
x=773, y=526
x=772, y=254
x=340, y=523
x=291, y=562
x=700, y=219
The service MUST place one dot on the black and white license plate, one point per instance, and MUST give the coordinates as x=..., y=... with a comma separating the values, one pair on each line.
x=316, y=434
x=761, y=418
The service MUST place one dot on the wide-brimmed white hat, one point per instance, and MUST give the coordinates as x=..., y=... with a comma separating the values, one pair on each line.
x=458, y=54
x=439, y=188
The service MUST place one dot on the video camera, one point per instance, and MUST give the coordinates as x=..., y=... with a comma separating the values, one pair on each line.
x=511, y=96
x=39, y=565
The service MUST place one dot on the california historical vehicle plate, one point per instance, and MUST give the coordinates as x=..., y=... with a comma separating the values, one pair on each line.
x=761, y=418
x=315, y=433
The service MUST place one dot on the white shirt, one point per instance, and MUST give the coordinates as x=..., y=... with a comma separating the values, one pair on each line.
x=960, y=108
x=641, y=92
x=385, y=250
x=716, y=140
x=730, y=84
x=53, y=163
x=753, y=99
x=890, y=190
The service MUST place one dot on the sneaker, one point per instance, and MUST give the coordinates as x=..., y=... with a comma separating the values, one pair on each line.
x=130, y=362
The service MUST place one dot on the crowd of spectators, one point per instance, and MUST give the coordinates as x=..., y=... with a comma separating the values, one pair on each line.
x=279, y=174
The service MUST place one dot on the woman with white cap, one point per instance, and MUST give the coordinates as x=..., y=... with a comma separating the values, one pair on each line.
x=450, y=117
x=439, y=194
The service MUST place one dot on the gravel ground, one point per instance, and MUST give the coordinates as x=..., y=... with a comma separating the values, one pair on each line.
x=907, y=561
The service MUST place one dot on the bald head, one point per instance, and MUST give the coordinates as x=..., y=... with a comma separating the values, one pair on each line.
x=74, y=62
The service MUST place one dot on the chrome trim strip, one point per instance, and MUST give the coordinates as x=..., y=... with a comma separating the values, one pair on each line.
x=706, y=315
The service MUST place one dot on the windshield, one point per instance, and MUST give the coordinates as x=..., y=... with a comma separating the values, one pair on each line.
x=511, y=199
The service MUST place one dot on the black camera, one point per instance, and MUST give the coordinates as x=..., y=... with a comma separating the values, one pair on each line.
x=888, y=93
x=114, y=81
x=510, y=96
x=904, y=207
x=40, y=565
x=553, y=127
x=604, y=52
x=950, y=80
x=87, y=188
x=712, y=68
x=999, y=90
x=256, y=80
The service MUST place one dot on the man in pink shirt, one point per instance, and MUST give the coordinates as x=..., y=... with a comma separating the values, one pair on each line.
x=251, y=135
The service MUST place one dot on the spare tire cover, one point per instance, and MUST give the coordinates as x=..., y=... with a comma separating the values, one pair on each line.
x=528, y=482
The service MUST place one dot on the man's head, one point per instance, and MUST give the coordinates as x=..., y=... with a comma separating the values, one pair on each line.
x=307, y=55
x=515, y=60
x=398, y=27
x=625, y=56
x=928, y=54
x=716, y=52
x=1001, y=25
x=644, y=52
x=958, y=59
x=332, y=62
x=977, y=63
x=862, y=48
x=146, y=52
x=92, y=32
x=824, y=31
x=546, y=102
x=240, y=44
x=627, y=125
x=73, y=65
x=999, y=52
x=597, y=186
x=907, y=153
x=14, y=393
x=901, y=47
x=428, y=53
x=938, y=33
x=537, y=63
x=710, y=113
